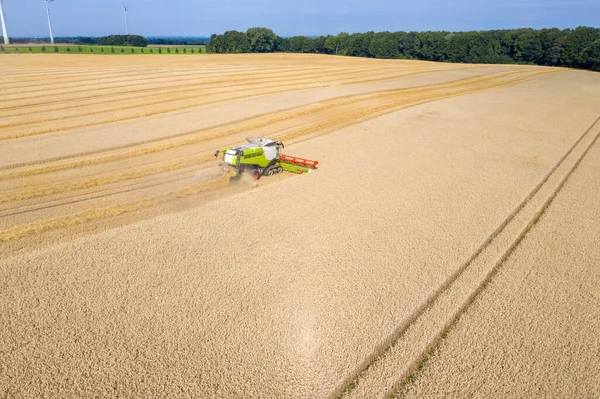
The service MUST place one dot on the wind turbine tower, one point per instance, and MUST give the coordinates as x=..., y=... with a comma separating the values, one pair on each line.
x=125, y=8
x=6, y=41
x=49, y=23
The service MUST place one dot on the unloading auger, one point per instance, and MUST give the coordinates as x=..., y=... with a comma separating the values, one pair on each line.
x=262, y=157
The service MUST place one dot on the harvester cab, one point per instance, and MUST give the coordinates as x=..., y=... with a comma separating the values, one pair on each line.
x=262, y=157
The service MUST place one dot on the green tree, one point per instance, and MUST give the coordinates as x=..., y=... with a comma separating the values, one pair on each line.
x=576, y=50
x=384, y=45
x=592, y=54
x=337, y=44
x=262, y=40
x=297, y=44
x=431, y=46
x=123, y=40
x=282, y=44
x=231, y=42
x=315, y=45
x=359, y=43
x=551, y=44
x=332, y=44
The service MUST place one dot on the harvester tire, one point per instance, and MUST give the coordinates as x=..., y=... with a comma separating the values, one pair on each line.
x=270, y=171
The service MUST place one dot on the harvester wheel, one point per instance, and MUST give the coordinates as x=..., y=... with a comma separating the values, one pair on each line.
x=279, y=169
x=270, y=171
x=256, y=175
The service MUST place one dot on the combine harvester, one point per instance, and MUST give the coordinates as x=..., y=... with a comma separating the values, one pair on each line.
x=262, y=157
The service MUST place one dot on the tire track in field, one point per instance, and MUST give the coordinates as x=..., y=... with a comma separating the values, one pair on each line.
x=366, y=112
x=396, y=360
x=236, y=127
x=201, y=100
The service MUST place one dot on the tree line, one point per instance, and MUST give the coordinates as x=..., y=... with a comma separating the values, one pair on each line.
x=123, y=40
x=577, y=48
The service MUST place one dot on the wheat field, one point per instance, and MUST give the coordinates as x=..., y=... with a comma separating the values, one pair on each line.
x=130, y=266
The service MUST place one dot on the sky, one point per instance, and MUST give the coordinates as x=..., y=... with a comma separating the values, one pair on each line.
x=27, y=18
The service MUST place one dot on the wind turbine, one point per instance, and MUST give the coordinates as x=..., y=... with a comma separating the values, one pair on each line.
x=6, y=41
x=49, y=23
x=125, y=8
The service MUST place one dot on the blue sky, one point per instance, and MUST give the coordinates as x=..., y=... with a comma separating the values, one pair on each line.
x=287, y=18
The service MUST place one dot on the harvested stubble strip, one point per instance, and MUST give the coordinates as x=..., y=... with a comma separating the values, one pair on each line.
x=87, y=99
x=147, y=79
x=399, y=100
x=22, y=231
x=181, y=86
x=162, y=95
x=272, y=89
x=102, y=181
x=270, y=118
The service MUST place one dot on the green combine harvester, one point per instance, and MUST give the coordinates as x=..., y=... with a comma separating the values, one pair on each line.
x=262, y=157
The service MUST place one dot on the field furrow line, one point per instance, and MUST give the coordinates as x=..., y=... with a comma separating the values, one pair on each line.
x=394, y=362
